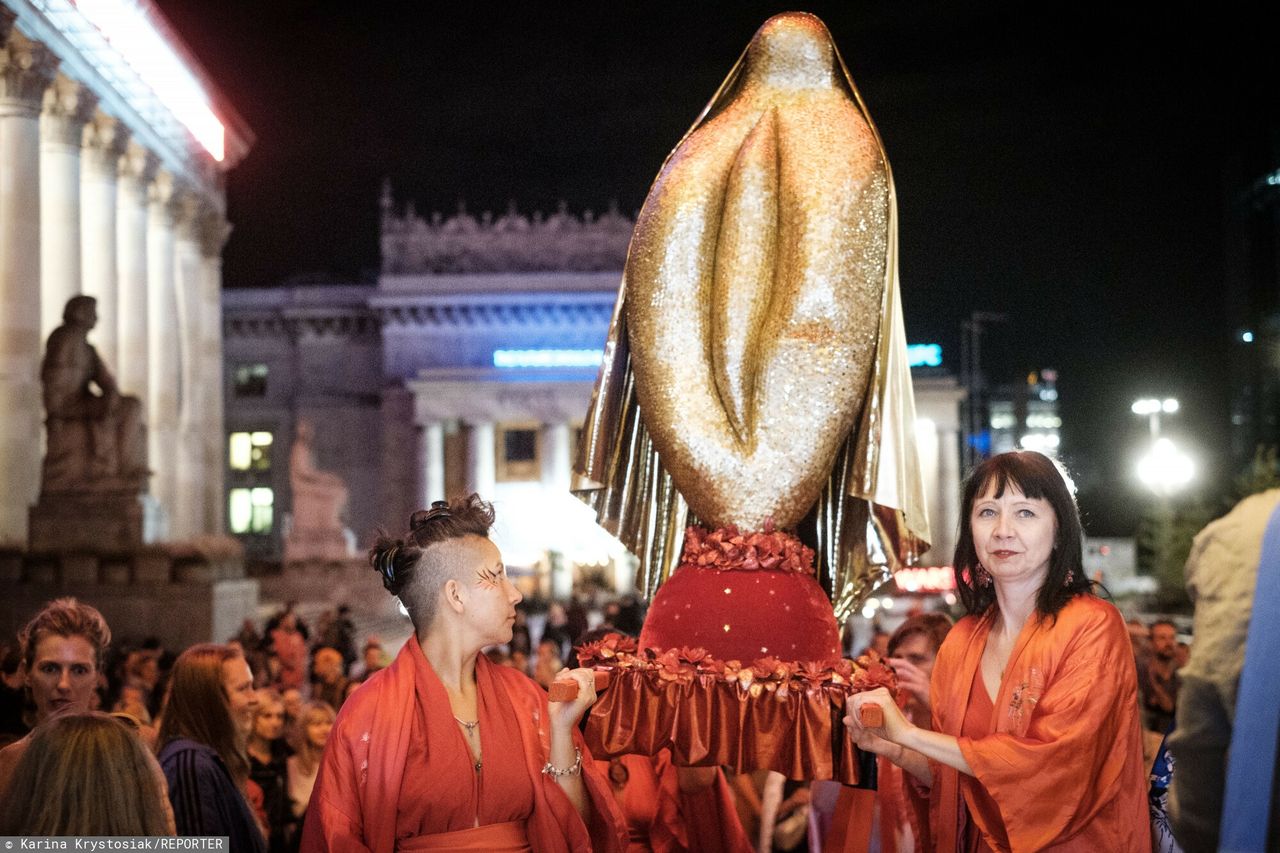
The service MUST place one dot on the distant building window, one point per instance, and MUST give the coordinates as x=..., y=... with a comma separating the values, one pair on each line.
x=251, y=511
x=517, y=453
x=249, y=451
x=521, y=445
x=251, y=380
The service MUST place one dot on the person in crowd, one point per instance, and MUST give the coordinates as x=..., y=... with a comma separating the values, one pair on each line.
x=63, y=647
x=62, y=650
x=556, y=630
x=207, y=716
x=1221, y=576
x=879, y=642
x=290, y=646
x=548, y=663
x=268, y=756
x=1035, y=739
x=308, y=739
x=292, y=698
x=394, y=775
x=13, y=699
x=893, y=813
x=1158, y=680
x=142, y=672
x=372, y=659
x=576, y=621
x=340, y=634
x=330, y=683
x=519, y=661
x=904, y=817
x=85, y=774
x=248, y=636
x=520, y=641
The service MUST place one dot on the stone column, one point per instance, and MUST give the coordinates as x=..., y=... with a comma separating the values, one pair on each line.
x=431, y=463
x=214, y=231
x=944, y=523
x=553, y=454
x=137, y=168
x=104, y=141
x=26, y=69
x=67, y=107
x=162, y=345
x=480, y=473
x=187, y=268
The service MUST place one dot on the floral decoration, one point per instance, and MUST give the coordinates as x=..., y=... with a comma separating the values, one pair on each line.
x=767, y=674
x=727, y=548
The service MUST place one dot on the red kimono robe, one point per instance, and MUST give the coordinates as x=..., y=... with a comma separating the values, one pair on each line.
x=395, y=743
x=1063, y=759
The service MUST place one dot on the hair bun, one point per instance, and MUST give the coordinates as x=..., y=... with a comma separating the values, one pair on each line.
x=439, y=509
x=383, y=560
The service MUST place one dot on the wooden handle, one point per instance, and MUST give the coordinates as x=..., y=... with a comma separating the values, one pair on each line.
x=566, y=689
x=871, y=716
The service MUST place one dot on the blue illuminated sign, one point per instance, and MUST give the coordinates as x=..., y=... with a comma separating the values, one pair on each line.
x=547, y=357
x=924, y=355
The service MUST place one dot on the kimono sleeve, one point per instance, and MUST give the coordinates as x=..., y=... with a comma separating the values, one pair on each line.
x=333, y=820
x=1053, y=780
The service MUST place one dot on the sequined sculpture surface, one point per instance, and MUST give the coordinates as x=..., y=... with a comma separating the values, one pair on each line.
x=756, y=366
x=755, y=278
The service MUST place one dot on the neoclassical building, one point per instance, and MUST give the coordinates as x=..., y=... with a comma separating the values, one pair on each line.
x=468, y=365
x=114, y=146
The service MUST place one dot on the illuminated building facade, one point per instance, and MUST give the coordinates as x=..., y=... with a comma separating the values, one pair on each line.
x=467, y=366
x=1025, y=416
x=113, y=151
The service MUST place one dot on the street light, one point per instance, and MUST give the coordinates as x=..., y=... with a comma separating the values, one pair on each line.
x=1165, y=469
x=1152, y=408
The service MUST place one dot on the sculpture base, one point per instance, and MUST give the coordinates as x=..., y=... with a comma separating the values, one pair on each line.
x=317, y=545
x=93, y=521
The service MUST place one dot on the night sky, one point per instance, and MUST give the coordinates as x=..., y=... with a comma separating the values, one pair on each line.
x=1067, y=164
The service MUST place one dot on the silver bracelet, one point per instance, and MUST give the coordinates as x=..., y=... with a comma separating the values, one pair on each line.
x=556, y=772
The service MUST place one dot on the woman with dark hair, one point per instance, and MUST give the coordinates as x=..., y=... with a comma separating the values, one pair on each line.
x=445, y=750
x=85, y=774
x=207, y=716
x=1035, y=742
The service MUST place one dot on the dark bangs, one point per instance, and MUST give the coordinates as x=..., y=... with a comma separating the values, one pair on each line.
x=1037, y=477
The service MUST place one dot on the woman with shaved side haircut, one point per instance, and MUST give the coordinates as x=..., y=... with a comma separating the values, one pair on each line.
x=444, y=750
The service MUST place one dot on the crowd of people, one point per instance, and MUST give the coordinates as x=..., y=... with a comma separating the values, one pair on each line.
x=1031, y=723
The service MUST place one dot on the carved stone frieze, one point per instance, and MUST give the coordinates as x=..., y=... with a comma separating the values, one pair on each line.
x=512, y=242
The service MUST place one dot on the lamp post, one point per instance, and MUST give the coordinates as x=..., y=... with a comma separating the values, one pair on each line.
x=1165, y=470
x=1152, y=408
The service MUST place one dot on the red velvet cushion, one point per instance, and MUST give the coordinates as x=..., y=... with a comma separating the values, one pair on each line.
x=743, y=615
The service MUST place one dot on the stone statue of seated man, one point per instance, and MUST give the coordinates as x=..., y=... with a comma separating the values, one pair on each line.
x=97, y=438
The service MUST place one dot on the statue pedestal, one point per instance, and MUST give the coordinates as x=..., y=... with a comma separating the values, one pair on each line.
x=92, y=520
x=322, y=544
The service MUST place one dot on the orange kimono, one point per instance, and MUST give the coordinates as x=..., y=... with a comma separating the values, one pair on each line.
x=664, y=819
x=397, y=773
x=1062, y=762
